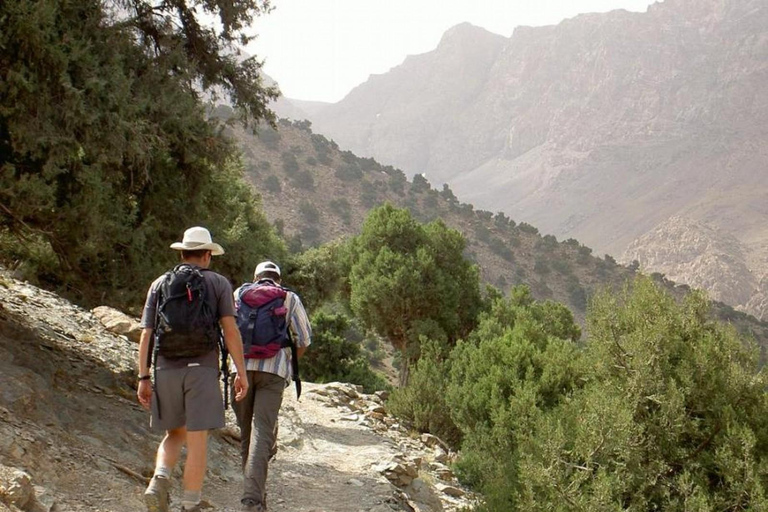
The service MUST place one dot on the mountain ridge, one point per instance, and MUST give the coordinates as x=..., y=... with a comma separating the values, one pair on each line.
x=599, y=128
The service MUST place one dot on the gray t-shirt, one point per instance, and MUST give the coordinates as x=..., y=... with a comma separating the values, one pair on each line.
x=221, y=301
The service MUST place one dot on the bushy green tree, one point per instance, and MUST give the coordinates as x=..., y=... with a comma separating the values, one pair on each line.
x=106, y=154
x=349, y=172
x=422, y=402
x=420, y=184
x=336, y=354
x=321, y=274
x=272, y=184
x=521, y=360
x=408, y=280
x=179, y=35
x=672, y=416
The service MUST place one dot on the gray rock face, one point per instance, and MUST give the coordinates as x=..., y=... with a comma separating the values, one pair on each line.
x=600, y=128
x=692, y=253
x=118, y=322
x=417, y=115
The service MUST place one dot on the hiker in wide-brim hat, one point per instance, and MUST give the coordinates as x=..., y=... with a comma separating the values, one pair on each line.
x=198, y=239
x=188, y=327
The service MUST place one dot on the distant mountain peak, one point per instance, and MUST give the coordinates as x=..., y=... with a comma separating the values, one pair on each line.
x=466, y=32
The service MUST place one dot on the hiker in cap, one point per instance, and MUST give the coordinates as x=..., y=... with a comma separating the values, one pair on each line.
x=187, y=311
x=276, y=333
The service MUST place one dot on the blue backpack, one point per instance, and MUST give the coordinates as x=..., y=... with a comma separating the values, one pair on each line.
x=261, y=318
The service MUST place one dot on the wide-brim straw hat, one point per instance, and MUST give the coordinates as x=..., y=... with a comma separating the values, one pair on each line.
x=198, y=239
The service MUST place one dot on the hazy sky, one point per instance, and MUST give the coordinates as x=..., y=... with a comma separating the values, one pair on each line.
x=321, y=49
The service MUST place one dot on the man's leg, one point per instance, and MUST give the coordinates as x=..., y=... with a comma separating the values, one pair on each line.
x=168, y=392
x=194, y=468
x=156, y=496
x=197, y=454
x=269, y=396
x=244, y=414
x=205, y=411
x=169, y=451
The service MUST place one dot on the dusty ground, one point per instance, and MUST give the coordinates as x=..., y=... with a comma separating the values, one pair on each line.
x=69, y=417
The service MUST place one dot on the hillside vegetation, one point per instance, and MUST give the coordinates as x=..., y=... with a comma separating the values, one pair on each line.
x=315, y=192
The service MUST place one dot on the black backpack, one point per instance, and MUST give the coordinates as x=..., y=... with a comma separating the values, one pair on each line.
x=186, y=326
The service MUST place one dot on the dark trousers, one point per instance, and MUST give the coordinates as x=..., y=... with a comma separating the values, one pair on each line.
x=257, y=417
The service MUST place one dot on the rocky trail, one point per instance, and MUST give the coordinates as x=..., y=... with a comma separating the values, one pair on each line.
x=73, y=437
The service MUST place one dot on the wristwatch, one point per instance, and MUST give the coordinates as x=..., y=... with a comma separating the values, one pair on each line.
x=144, y=377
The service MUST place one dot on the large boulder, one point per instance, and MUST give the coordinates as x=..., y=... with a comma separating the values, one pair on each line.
x=118, y=322
x=16, y=489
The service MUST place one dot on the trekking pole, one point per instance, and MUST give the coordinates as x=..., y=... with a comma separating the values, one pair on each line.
x=224, y=369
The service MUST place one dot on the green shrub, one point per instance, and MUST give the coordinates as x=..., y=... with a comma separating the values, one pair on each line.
x=272, y=184
x=369, y=197
x=482, y=232
x=541, y=267
x=521, y=360
x=334, y=355
x=309, y=212
x=664, y=410
x=304, y=179
x=500, y=248
x=269, y=136
x=290, y=164
x=342, y=208
x=422, y=403
x=349, y=172
x=527, y=228
x=577, y=295
x=420, y=184
x=397, y=183
x=310, y=234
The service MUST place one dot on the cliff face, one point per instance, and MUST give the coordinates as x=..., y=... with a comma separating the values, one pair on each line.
x=701, y=257
x=600, y=128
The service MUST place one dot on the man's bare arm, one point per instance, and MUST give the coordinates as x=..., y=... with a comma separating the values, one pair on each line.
x=233, y=342
x=144, y=393
x=234, y=346
x=144, y=341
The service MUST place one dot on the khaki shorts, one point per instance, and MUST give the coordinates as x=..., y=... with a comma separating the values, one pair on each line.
x=189, y=397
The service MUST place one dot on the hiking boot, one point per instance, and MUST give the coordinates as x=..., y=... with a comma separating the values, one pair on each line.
x=156, y=495
x=251, y=506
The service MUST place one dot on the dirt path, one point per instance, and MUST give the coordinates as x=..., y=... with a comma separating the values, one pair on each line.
x=324, y=463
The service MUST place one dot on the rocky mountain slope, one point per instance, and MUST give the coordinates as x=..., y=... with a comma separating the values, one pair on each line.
x=702, y=257
x=74, y=439
x=315, y=192
x=600, y=128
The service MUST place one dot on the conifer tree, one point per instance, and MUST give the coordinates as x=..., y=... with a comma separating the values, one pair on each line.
x=106, y=153
x=409, y=280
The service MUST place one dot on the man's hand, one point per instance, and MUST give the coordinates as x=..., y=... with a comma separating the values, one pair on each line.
x=241, y=387
x=145, y=393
